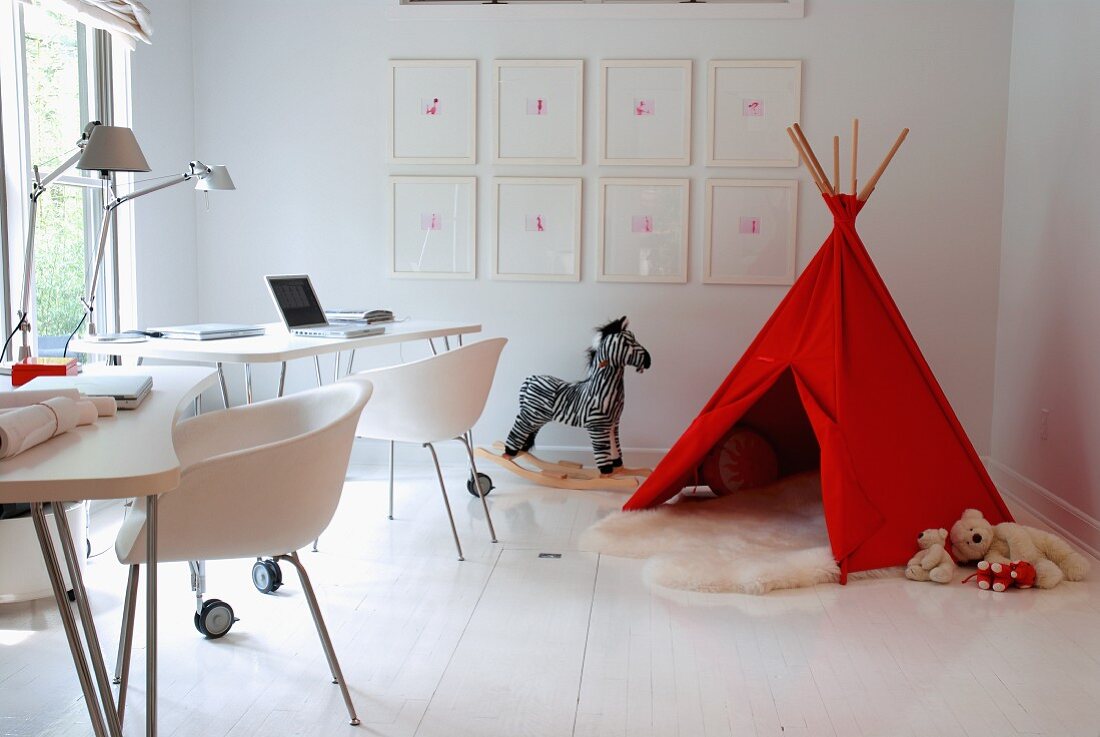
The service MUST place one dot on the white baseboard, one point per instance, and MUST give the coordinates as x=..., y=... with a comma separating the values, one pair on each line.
x=376, y=452
x=1082, y=529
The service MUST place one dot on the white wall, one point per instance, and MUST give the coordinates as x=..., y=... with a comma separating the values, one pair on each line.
x=163, y=108
x=1048, y=355
x=292, y=96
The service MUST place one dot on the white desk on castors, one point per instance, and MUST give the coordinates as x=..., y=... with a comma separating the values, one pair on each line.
x=275, y=346
x=129, y=455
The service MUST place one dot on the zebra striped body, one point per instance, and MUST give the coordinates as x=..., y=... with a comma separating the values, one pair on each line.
x=595, y=403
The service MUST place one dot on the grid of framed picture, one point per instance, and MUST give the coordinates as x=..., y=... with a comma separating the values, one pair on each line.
x=750, y=105
x=643, y=234
x=645, y=112
x=537, y=236
x=433, y=111
x=433, y=227
x=538, y=111
x=750, y=231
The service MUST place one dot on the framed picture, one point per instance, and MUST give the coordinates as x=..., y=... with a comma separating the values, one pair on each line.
x=751, y=228
x=537, y=111
x=645, y=112
x=433, y=227
x=750, y=105
x=538, y=229
x=643, y=230
x=433, y=112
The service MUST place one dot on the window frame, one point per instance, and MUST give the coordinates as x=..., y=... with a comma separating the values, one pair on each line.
x=107, y=74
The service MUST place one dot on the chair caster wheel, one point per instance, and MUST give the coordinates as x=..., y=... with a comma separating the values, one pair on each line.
x=483, y=481
x=215, y=619
x=267, y=576
x=354, y=722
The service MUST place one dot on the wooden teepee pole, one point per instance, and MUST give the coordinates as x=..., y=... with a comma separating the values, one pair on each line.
x=836, y=164
x=870, y=186
x=855, y=151
x=813, y=157
x=806, y=160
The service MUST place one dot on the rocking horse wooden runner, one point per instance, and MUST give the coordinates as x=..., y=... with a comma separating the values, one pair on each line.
x=594, y=403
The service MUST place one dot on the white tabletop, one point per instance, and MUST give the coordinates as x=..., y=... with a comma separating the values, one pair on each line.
x=124, y=456
x=274, y=346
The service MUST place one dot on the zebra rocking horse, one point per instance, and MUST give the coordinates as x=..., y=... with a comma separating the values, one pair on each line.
x=594, y=403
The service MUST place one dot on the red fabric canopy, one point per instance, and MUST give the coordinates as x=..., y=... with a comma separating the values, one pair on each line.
x=836, y=379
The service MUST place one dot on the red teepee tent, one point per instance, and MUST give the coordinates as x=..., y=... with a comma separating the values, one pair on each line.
x=835, y=379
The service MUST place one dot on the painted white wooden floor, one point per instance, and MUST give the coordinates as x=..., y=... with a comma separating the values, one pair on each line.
x=509, y=644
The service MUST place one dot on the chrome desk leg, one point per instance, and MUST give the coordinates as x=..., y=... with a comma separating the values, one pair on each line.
x=317, y=368
x=221, y=381
x=248, y=383
x=432, y=344
x=460, y=340
x=391, y=479
x=140, y=360
x=151, y=616
x=322, y=632
x=351, y=362
x=95, y=652
x=282, y=378
x=477, y=485
x=87, y=529
x=446, y=501
x=57, y=583
x=336, y=366
x=126, y=641
x=446, y=342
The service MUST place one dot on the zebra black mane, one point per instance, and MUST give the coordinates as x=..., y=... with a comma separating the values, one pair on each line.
x=609, y=329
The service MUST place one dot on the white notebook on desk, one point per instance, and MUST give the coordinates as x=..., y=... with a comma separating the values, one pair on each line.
x=129, y=391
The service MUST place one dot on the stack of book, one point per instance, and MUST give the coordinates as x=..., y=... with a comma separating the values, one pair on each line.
x=36, y=366
x=367, y=316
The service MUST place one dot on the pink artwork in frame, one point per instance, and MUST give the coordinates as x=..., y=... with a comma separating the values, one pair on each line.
x=641, y=224
x=536, y=106
x=749, y=226
x=430, y=106
x=752, y=108
x=643, y=106
x=431, y=221
x=536, y=223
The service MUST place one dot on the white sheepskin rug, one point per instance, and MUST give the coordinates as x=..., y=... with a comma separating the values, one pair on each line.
x=750, y=542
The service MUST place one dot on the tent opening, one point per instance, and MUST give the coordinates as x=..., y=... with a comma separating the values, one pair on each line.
x=779, y=417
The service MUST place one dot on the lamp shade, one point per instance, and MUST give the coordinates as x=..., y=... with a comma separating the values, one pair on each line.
x=217, y=178
x=112, y=148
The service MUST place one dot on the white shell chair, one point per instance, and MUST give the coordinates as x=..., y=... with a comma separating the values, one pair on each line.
x=259, y=480
x=432, y=400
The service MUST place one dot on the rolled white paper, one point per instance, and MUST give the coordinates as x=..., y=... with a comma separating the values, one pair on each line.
x=27, y=397
x=23, y=428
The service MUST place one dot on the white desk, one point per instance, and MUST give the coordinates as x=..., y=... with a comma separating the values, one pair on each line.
x=130, y=455
x=275, y=346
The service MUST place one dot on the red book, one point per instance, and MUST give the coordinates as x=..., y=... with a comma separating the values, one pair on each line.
x=24, y=371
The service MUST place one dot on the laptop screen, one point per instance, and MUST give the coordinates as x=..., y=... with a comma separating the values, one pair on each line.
x=297, y=301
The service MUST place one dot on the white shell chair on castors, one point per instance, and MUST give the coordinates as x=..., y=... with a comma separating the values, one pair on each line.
x=258, y=480
x=432, y=400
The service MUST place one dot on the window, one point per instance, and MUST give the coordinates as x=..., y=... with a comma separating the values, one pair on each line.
x=58, y=74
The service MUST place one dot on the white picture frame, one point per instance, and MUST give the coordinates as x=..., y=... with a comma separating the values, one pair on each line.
x=433, y=227
x=749, y=106
x=538, y=111
x=750, y=231
x=643, y=234
x=433, y=111
x=537, y=230
x=645, y=112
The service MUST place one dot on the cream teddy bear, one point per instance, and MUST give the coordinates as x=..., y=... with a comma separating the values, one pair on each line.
x=973, y=538
x=932, y=562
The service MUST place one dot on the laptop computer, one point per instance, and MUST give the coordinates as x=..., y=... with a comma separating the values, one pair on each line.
x=129, y=391
x=302, y=313
x=206, y=331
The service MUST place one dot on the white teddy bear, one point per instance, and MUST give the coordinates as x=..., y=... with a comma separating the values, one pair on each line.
x=932, y=562
x=973, y=538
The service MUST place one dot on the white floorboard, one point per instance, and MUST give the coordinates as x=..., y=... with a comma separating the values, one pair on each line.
x=509, y=644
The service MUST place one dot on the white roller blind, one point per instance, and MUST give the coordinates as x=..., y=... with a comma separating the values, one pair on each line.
x=126, y=20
